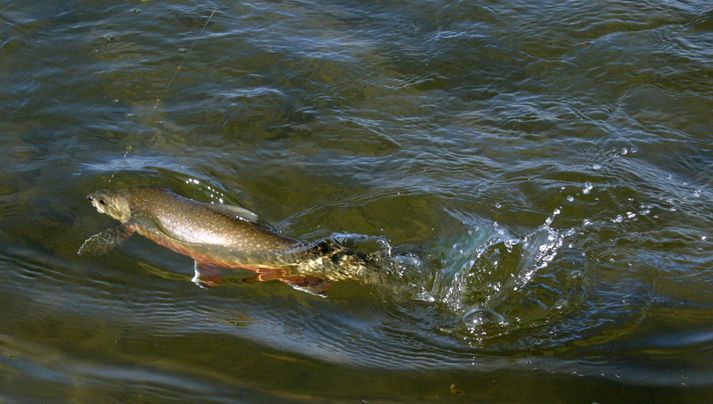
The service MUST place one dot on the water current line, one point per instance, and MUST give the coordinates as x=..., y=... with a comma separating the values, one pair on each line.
x=170, y=82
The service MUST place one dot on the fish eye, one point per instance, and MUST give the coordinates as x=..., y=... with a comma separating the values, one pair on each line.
x=102, y=202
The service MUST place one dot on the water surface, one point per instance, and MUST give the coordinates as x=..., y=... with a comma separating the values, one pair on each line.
x=540, y=172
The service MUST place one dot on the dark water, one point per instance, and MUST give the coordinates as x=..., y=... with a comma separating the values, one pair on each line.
x=540, y=170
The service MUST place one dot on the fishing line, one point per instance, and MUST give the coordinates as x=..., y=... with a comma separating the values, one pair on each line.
x=170, y=82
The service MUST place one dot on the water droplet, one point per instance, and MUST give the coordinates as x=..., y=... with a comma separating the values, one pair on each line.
x=587, y=188
x=498, y=205
x=630, y=215
x=586, y=222
x=570, y=198
x=596, y=167
x=697, y=193
x=479, y=316
x=624, y=151
x=618, y=219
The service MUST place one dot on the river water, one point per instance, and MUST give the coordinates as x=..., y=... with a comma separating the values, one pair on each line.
x=539, y=171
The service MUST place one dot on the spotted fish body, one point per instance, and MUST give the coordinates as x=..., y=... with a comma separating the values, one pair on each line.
x=220, y=236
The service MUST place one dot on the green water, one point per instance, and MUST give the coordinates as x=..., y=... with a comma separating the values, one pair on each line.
x=539, y=171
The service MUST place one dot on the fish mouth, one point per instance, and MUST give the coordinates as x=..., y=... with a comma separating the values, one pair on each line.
x=98, y=203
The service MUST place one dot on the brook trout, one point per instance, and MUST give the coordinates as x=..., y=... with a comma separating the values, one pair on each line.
x=222, y=236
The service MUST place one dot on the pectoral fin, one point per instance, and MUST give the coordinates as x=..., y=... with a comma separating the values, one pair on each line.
x=103, y=242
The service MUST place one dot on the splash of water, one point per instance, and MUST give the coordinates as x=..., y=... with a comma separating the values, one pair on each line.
x=482, y=270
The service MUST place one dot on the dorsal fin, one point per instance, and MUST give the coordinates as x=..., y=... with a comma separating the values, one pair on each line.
x=234, y=211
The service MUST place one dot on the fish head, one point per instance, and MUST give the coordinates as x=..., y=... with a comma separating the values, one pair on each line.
x=112, y=203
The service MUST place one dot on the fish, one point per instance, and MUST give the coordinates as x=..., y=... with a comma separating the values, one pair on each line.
x=221, y=236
